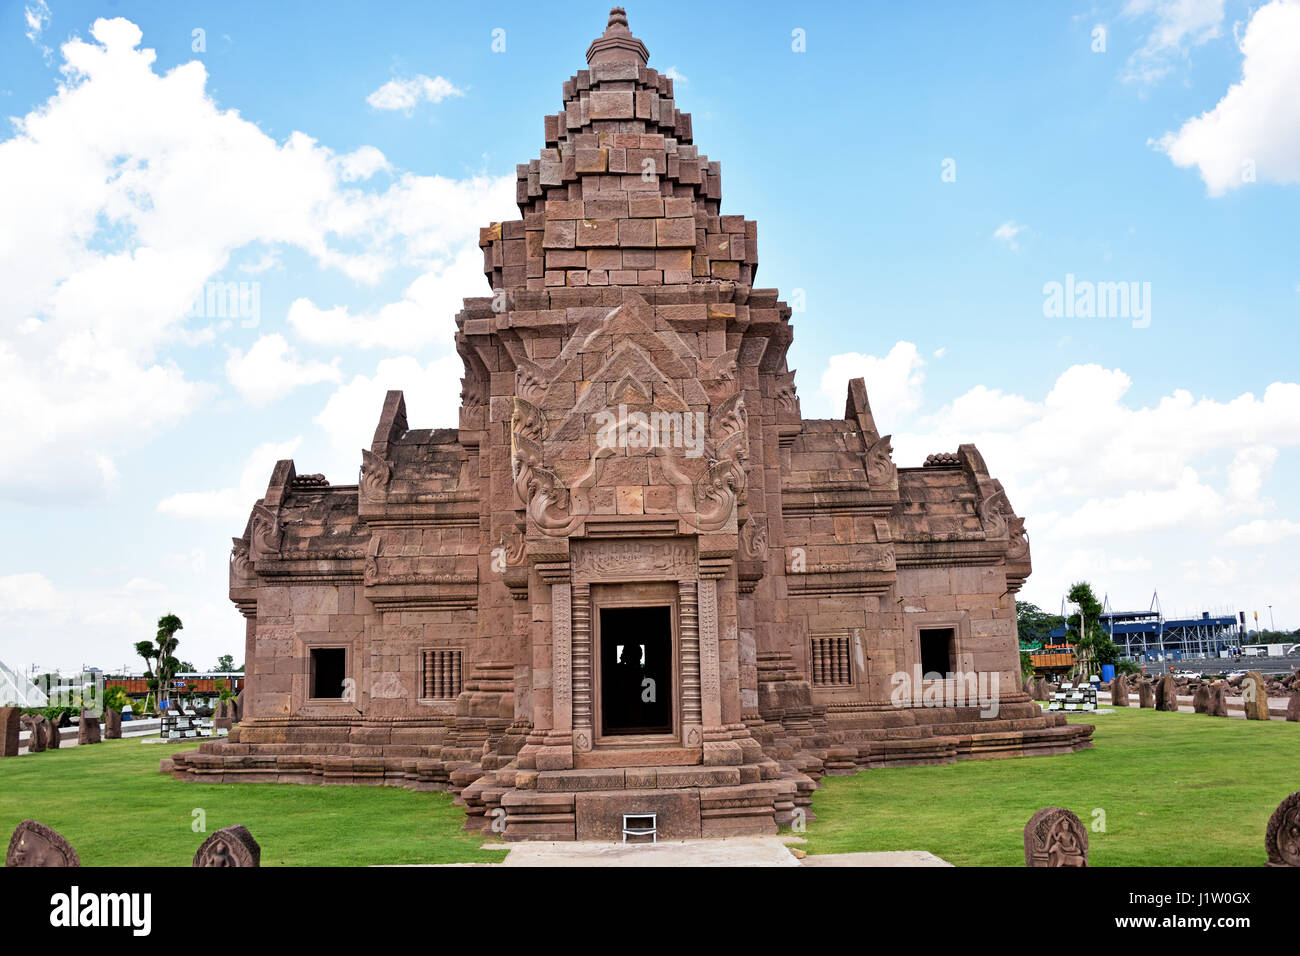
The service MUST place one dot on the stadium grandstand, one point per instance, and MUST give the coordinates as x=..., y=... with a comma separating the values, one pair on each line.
x=1150, y=636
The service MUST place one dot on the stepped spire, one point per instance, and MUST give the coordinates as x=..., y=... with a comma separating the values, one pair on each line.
x=617, y=44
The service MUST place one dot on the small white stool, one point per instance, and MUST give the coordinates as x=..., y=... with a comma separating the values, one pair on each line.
x=641, y=824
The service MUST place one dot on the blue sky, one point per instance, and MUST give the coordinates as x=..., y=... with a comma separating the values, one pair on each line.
x=343, y=158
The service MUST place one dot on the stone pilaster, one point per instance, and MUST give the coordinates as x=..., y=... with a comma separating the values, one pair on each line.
x=557, y=751
x=720, y=749
x=583, y=733
x=688, y=611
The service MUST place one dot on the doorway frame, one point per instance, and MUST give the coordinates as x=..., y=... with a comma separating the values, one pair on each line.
x=633, y=594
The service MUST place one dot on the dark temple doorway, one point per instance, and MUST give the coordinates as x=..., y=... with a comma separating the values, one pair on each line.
x=937, y=650
x=636, y=670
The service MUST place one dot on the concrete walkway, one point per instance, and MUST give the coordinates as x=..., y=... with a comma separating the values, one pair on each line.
x=68, y=735
x=737, y=851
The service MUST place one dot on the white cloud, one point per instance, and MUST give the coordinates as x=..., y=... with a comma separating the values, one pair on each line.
x=37, y=15
x=99, y=625
x=1246, y=476
x=1188, y=503
x=1254, y=131
x=406, y=94
x=140, y=585
x=349, y=417
x=673, y=75
x=983, y=408
x=1009, y=232
x=127, y=192
x=1261, y=531
x=269, y=370
x=1179, y=26
x=425, y=314
x=893, y=382
x=1113, y=491
x=27, y=592
x=232, y=504
x=362, y=164
x=1084, y=440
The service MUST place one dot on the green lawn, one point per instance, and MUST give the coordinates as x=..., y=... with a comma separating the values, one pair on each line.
x=113, y=806
x=1176, y=789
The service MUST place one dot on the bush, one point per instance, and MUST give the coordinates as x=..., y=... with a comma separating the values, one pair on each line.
x=55, y=715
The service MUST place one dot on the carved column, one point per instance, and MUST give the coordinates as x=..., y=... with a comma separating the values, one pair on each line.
x=692, y=721
x=583, y=734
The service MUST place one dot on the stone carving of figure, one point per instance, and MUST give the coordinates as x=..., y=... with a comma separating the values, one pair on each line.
x=1282, y=838
x=36, y=845
x=1055, y=837
x=1064, y=848
x=230, y=846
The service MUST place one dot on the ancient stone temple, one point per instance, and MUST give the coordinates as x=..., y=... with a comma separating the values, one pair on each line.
x=634, y=579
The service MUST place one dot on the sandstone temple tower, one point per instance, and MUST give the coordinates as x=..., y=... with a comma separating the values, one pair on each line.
x=634, y=579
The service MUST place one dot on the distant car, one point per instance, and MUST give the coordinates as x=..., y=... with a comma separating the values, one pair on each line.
x=1235, y=674
x=1194, y=675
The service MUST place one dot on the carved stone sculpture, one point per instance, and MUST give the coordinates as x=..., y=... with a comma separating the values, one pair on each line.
x=36, y=845
x=229, y=846
x=1055, y=837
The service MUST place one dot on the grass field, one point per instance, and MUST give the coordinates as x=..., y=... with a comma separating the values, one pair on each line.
x=1176, y=790
x=112, y=805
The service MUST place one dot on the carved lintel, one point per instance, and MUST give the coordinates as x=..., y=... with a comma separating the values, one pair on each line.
x=634, y=559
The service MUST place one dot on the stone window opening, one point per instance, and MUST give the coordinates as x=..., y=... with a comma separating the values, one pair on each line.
x=328, y=672
x=831, y=661
x=440, y=674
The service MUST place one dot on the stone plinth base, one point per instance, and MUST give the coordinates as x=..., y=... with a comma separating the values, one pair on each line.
x=682, y=812
x=786, y=754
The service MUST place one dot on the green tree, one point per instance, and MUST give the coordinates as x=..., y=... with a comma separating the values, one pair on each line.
x=1093, y=642
x=160, y=656
x=1034, y=624
x=225, y=663
x=1026, y=665
x=116, y=698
